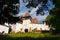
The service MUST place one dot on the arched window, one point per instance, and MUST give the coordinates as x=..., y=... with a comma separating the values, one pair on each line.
x=26, y=30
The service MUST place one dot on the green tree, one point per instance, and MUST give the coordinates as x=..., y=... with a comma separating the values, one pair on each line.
x=7, y=8
x=54, y=18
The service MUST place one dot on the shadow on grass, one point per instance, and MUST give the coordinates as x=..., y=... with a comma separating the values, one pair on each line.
x=6, y=37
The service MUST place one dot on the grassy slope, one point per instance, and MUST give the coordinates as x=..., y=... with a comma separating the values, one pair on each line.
x=29, y=36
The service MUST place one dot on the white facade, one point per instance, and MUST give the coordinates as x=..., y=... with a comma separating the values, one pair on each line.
x=28, y=25
x=4, y=29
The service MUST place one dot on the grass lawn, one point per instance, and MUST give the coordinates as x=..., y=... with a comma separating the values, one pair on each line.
x=30, y=36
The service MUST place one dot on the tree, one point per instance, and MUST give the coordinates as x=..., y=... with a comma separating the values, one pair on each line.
x=54, y=20
x=8, y=8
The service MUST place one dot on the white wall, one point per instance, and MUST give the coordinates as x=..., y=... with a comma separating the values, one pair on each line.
x=28, y=25
x=4, y=28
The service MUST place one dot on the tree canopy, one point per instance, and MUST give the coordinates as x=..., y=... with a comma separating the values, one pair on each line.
x=54, y=18
x=8, y=8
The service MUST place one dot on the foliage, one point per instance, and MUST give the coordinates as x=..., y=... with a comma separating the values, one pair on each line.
x=7, y=8
x=54, y=17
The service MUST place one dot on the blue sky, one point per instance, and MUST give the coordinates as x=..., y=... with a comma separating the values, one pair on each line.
x=24, y=10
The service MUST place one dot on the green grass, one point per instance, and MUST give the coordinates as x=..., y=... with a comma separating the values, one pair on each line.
x=30, y=36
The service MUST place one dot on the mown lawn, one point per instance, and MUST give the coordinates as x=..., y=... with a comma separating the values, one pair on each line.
x=30, y=36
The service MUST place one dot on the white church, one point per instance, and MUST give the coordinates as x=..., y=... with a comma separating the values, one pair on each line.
x=29, y=25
